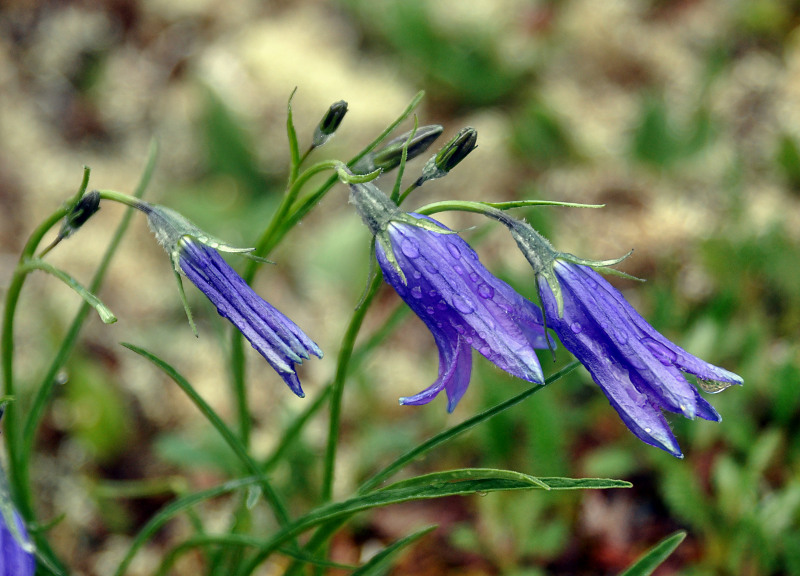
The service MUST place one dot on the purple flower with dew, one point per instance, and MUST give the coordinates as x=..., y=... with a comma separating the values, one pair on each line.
x=639, y=370
x=463, y=305
x=279, y=340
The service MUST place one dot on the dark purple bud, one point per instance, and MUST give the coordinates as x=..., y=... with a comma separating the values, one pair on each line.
x=329, y=123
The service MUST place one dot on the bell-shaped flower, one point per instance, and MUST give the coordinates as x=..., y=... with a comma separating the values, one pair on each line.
x=195, y=254
x=16, y=549
x=441, y=279
x=640, y=371
x=16, y=558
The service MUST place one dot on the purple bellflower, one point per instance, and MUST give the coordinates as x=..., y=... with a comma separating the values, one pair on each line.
x=463, y=305
x=639, y=370
x=195, y=254
x=16, y=551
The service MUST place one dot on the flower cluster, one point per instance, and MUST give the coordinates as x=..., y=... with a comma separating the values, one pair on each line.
x=465, y=307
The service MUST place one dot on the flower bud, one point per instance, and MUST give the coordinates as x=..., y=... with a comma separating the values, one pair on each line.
x=389, y=156
x=84, y=209
x=329, y=123
x=450, y=155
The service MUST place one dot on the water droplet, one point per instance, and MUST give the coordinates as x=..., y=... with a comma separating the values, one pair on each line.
x=417, y=275
x=481, y=493
x=61, y=378
x=648, y=430
x=486, y=351
x=713, y=386
x=433, y=293
x=485, y=291
x=416, y=292
x=438, y=324
x=409, y=247
x=454, y=251
x=474, y=276
x=621, y=336
x=441, y=305
x=576, y=327
x=468, y=339
x=459, y=270
x=641, y=400
x=660, y=352
x=431, y=267
x=430, y=310
x=462, y=304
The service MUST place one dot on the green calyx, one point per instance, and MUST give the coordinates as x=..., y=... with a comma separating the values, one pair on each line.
x=542, y=257
x=377, y=211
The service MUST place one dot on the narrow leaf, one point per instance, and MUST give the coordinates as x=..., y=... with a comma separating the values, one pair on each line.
x=102, y=310
x=653, y=558
x=232, y=440
x=379, y=563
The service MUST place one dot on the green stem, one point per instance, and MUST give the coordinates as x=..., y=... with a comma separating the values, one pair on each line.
x=17, y=472
x=342, y=364
x=45, y=388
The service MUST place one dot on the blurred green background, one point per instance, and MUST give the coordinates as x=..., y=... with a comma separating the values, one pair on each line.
x=682, y=117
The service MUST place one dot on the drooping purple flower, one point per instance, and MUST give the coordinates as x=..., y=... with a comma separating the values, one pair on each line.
x=441, y=279
x=640, y=371
x=16, y=551
x=279, y=340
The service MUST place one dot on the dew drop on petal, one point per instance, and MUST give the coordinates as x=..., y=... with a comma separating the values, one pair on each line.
x=648, y=430
x=431, y=267
x=660, y=352
x=441, y=305
x=454, y=251
x=416, y=292
x=433, y=293
x=576, y=327
x=409, y=247
x=713, y=386
x=458, y=270
x=430, y=310
x=417, y=274
x=485, y=350
x=474, y=276
x=462, y=304
x=485, y=291
x=621, y=336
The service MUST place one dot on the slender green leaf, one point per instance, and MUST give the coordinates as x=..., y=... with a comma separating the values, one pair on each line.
x=233, y=441
x=380, y=563
x=176, y=507
x=466, y=474
x=493, y=481
x=654, y=557
x=102, y=310
x=237, y=541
